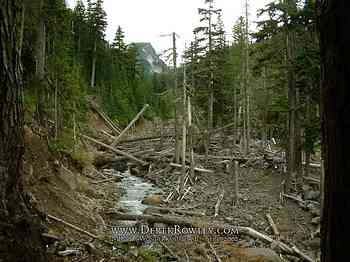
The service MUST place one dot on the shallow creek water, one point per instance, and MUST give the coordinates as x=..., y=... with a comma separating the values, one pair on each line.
x=136, y=189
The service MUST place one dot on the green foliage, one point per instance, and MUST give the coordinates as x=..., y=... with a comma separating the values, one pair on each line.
x=81, y=158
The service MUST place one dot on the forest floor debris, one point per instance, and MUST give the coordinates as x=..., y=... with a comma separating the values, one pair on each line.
x=87, y=199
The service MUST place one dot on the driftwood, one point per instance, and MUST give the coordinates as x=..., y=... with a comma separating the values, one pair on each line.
x=116, y=150
x=299, y=200
x=218, y=203
x=168, y=249
x=105, y=118
x=107, y=134
x=217, y=130
x=239, y=159
x=72, y=226
x=220, y=226
x=312, y=180
x=106, y=158
x=115, y=142
x=315, y=165
x=137, y=139
x=301, y=254
x=49, y=238
x=169, y=197
x=273, y=225
x=203, y=170
x=185, y=193
x=177, y=210
x=280, y=246
x=213, y=251
x=69, y=252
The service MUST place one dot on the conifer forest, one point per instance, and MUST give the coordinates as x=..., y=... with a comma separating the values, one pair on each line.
x=229, y=145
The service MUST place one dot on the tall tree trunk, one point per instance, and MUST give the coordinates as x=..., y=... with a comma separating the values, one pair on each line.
x=177, y=95
x=335, y=101
x=298, y=141
x=19, y=230
x=40, y=53
x=184, y=130
x=93, y=65
x=292, y=101
x=246, y=84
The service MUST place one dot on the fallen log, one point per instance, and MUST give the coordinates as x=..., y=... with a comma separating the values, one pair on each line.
x=221, y=128
x=312, y=180
x=203, y=170
x=176, y=210
x=72, y=226
x=105, y=118
x=169, y=250
x=213, y=157
x=115, y=142
x=116, y=150
x=69, y=252
x=299, y=200
x=213, y=251
x=49, y=238
x=172, y=220
x=273, y=225
x=185, y=194
x=142, y=139
x=315, y=165
x=301, y=254
x=103, y=159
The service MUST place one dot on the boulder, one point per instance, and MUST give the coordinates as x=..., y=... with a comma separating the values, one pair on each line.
x=153, y=200
x=313, y=244
x=312, y=195
x=316, y=221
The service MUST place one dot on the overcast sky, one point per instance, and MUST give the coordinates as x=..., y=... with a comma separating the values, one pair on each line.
x=145, y=21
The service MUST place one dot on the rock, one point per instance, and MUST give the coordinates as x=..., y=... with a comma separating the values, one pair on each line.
x=313, y=244
x=229, y=219
x=316, y=221
x=122, y=209
x=312, y=195
x=251, y=254
x=315, y=212
x=249, y=218
x=154, y=200
x=91, y=249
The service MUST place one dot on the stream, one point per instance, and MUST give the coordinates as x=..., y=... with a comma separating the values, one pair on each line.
x=136, y=189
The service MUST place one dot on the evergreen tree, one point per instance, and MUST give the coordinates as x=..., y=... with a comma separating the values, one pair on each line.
x=97, y=26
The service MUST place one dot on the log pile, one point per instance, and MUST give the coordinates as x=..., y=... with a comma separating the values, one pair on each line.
x=152, y=156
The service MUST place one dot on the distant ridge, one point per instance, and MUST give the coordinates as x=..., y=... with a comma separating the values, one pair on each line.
x=148, y=57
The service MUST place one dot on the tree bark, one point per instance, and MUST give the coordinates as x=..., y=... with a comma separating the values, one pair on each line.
x=93, y=65
x=292, y=102
x=40, y=53
x=177, y=104
x=335, y=100
x=19, y=229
